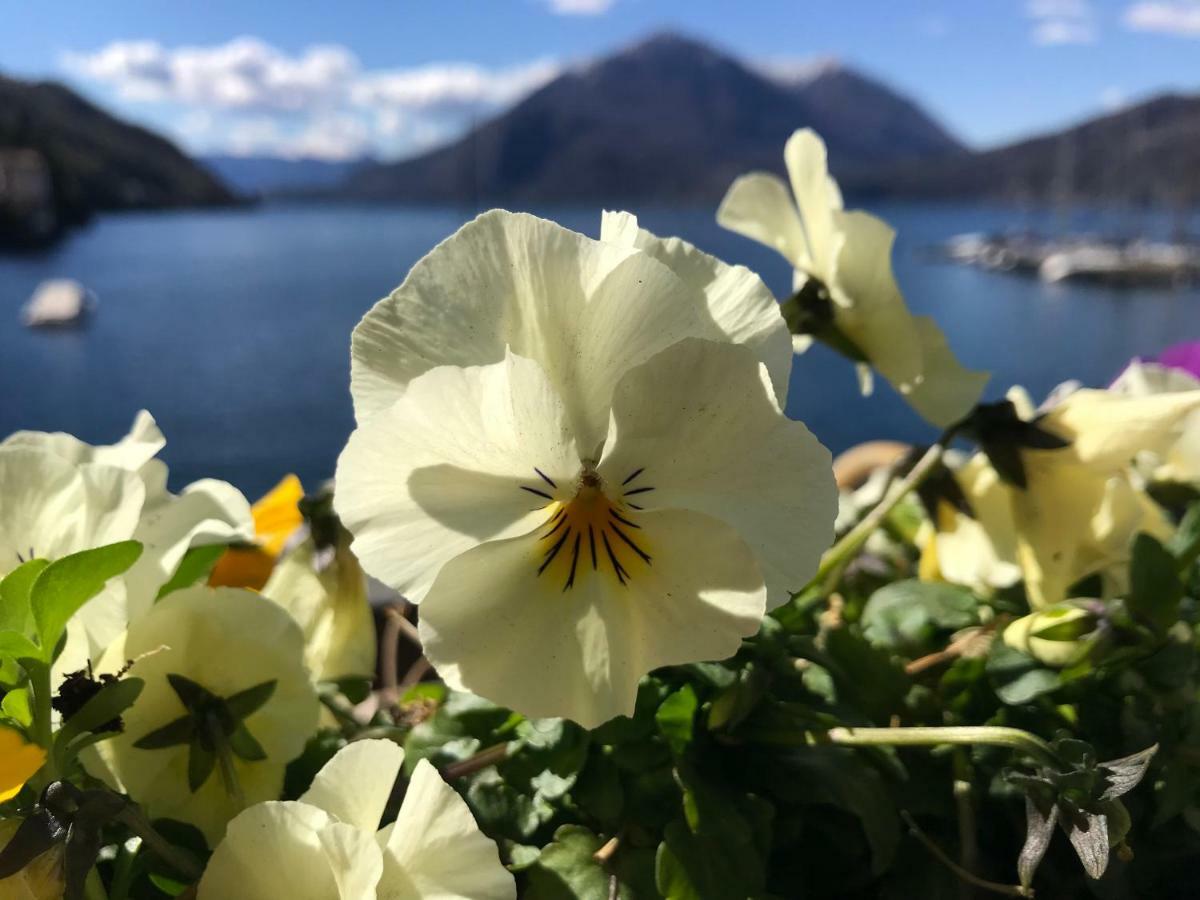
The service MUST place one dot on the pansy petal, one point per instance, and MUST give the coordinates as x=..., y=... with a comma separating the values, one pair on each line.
x=196, y=632
x=453, y=462
x=674, y=419
x=868, y=305
x=500, y=624
x=1107, y=430
x=435, y=851
x=760, y=206
x=133, y=451
x=946, y=391
x=288, y=849
x=743, y=308
x=575, y=305
x=354, y=786
x=817, y=196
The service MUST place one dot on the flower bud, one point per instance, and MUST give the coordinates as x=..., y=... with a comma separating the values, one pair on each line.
x=1058, y=636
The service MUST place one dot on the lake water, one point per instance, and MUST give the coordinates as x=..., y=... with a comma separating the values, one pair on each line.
x=233, y=327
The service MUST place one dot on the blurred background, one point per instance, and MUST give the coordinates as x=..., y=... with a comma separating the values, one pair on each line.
x=199, y=201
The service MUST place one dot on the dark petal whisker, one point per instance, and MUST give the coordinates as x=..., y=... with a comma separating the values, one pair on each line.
x=592, y=542
x=553, y=551
x=617, y=567
x=557, y=525
x=620, y=518
x=536, y=491
x=627, y=539
x=635, y=474
x=574, y=563
x=641, y=490
x=546, y=478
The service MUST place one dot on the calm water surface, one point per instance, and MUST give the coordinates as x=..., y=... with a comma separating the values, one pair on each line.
x=233, y=327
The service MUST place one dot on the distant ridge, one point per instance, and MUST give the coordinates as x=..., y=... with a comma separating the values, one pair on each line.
x=1146, y=154
x=271, y=175
x=65, y=159
x=669, y=119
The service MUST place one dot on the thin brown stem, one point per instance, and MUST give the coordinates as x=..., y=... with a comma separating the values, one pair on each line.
x=1010, y=890
x=395, y=626
x=481, y=760
x=415, y=673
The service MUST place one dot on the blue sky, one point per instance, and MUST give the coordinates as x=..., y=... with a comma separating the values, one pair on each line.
x=326, y=79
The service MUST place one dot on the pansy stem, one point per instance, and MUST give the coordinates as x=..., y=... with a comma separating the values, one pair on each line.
x=840, y=554
x=920, y=736
x=481, y=760
x=180, y=860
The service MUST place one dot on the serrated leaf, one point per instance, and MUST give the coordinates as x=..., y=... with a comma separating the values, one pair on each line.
x=66, y=584
x=905, y=615
x=565, y=869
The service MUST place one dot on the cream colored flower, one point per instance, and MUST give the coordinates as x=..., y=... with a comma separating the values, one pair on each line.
x=607, y=498
x=166, y=525
x=54, y=507
x=1180, y=461
x=229, y=643
x=325, y=591
x=849, y=252
x=1079, y=511
x=328, y=846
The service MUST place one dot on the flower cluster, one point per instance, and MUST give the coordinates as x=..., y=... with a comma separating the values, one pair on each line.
x=641, y=658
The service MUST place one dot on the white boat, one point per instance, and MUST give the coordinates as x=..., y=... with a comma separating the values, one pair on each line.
x=58, y=302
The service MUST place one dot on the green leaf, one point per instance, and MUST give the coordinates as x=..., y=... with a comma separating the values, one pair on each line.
x=1018, y=678
x=1185, y=542
x=15, y=612
x=68, y=583
x=108, y=704
x=906, y=615
x=1155, y=590
x=17, y=647
x=730, y=707
x=565, y=870
x=866, y=677
x=195, y=567
x=16, y=706
x=676, y=718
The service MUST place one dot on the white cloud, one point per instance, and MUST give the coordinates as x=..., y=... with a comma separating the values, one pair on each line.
x=1113, y=98
x=1180, y=18
x=246, y=96
x=580, y=7
x=1058, y=22
x=798, y=71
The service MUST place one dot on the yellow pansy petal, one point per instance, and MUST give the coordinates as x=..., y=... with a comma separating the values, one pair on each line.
x=242, y=567
x=277, y=514
x=19, y=761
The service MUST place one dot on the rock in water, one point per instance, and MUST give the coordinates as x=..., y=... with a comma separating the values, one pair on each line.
x=60, y=301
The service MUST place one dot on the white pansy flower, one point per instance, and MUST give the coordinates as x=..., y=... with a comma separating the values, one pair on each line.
x=54, y=507
x=228, y=642
x=605, y=499
x=328, y=845
x=325, y=591
x=166, y=524
x=850, y=252
x=1180, y=461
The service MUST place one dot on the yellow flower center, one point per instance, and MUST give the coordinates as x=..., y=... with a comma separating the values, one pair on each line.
x=590, y=531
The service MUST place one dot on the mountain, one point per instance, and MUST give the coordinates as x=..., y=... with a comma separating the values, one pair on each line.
x=1148, y=154
x=267, y=175
x=62, y=159
x=667, y=120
